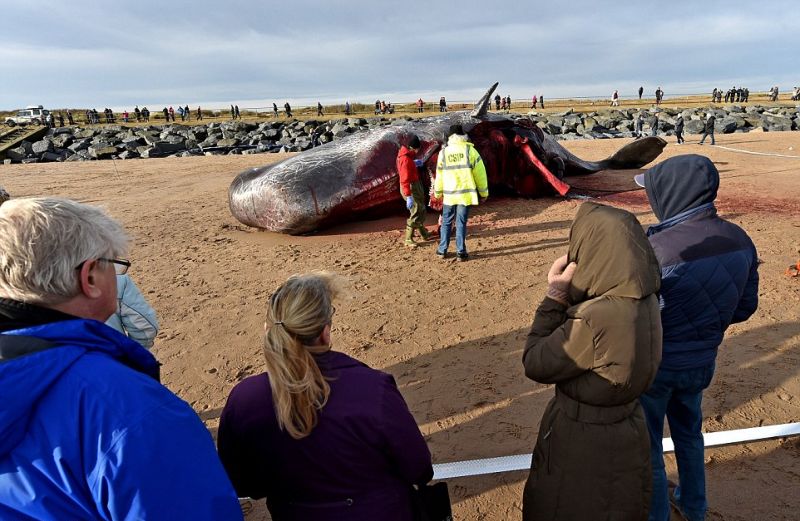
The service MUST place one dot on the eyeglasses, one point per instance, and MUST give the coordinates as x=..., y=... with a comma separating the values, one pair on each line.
x=120, y=265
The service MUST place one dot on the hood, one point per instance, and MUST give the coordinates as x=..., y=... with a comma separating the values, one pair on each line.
x=613, y=255
x=28, y=378
x=680, y=184
x=456, y=139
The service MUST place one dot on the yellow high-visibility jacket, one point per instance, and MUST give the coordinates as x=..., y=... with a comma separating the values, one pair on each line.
x=460, y=173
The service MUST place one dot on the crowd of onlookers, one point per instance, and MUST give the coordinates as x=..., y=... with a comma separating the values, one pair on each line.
x=737, y=95
x=732, y=95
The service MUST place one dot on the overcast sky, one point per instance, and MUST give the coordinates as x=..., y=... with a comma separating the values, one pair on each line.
x=82, y=53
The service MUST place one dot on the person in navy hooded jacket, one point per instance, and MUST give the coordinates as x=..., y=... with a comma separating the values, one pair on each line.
x=709, y=281
x=86, y=430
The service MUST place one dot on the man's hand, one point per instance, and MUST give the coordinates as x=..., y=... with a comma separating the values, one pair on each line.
x=559, y=278
x=409, y=202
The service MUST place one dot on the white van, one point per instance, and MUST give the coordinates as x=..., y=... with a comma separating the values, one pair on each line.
x=28, y=116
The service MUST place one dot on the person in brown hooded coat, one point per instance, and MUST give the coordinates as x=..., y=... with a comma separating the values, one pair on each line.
x=597, y=336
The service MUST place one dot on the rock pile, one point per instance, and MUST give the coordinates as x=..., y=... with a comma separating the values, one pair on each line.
x=118, y=142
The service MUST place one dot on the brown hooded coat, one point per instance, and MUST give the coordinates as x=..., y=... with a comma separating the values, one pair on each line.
x=592, y=455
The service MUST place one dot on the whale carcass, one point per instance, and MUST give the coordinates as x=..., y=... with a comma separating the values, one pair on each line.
x=356, y=177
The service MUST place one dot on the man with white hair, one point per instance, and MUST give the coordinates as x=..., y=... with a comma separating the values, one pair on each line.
x=86, y=429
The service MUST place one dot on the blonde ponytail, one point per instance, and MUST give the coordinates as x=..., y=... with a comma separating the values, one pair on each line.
x=297, y=314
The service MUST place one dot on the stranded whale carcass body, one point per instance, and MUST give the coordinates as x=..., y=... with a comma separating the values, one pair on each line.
x=356, y=177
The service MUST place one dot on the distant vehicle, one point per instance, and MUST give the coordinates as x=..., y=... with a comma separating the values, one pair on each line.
x=33, y=115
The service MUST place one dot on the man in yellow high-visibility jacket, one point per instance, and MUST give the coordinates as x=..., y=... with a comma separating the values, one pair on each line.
x=460, y=182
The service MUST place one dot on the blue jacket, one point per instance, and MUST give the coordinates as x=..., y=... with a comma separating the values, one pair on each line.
x=88, y=433
x=709, y=266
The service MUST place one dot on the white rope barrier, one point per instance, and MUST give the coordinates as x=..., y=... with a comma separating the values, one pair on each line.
x=755, y=153
x=479, y=467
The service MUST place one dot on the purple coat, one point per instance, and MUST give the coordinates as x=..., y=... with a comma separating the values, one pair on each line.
x=359, y=462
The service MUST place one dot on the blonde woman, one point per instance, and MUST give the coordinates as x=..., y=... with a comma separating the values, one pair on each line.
x=319, y=434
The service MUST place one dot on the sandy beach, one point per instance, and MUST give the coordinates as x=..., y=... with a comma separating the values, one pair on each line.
x=452, y=333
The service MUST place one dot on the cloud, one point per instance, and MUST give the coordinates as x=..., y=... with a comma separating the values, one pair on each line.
x=92, y=53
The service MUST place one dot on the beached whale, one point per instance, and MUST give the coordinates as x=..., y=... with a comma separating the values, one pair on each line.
x=356, y=177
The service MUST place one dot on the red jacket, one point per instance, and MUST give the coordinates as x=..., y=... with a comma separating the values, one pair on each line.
x=407, y=170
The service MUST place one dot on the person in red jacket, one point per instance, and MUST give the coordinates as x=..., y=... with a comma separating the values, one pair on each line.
x=412, y=191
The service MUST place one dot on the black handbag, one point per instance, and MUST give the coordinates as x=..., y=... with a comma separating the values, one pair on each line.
x=432, y=502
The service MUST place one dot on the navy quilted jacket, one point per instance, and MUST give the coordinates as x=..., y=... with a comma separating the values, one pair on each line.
x=708, y=265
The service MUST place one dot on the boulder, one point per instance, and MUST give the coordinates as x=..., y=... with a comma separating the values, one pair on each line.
x=775, y=123
x=16, y=154
x=694, y=126
x=129, y=154
x=728, y=125
x=79, y=145
x=228, y=142
x=103, y=151
x=164, y=148
x=52, y=156
x=40, y=147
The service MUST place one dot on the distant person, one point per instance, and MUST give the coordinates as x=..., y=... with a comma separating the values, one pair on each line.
x=180, y=113
x=503, y=105
x=508, y=102
x=319, y=109
x=534, y=100
x=639, y=125
x=679, y=129
x=412, y=191
x=187, y=112
x=70, y=119
x=597, y=337
x=659, y=95
x=134, y=316
x=420, y=106
x=497, y=101
x=236, y=113
x=51, y=122
x=60, y=119
x=654, y=124
x=171, y=114
x=709, y=272
x=460, y=182
x=233, y=113
x=199, y=114
x=146, y=113
x=615, y=99
x=319, y=434
x=346, y=108
x=377, y=106
x=714, y=95
x=275, y=109
x=137, y=113
x=288, y=109
x=383, y=107
x=165, y=111
x=708, y=128
x=88, y=432
x=541, y=100
x=442, y=104
x=641, y=91
x=124, y=116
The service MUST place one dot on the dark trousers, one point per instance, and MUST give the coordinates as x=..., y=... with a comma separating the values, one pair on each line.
x=417, y=218
x=708, y=133
x=678, y=395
